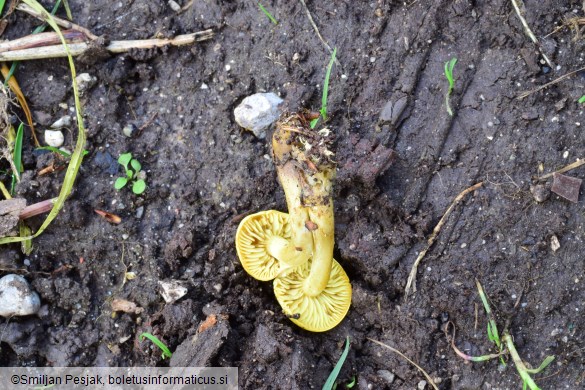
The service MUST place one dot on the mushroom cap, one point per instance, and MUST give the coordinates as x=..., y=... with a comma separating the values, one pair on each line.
x=252, y=238
x=319, y=313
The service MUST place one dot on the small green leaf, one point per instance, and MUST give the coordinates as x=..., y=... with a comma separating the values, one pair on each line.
x=138, y=187
x=314, y=122
x=333, y=376
x=581, y=99
x=124, y=159
x=351, y=384
x=136, y=165
x=120, y=183
x=129, y=173
x=158, y=343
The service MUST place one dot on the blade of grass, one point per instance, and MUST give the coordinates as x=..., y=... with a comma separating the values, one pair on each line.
x=13, y=84
x=543, y=365
x=2, y=4
x=17, y=158
x=268, y=15
x=333, y=376
x=581, y=99
x=520, y=366
x=26, y=246
x=77, y=155
x=158, y=343
x=67, y=10
x=323, y=110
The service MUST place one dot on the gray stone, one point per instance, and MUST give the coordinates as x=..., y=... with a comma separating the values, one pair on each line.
x=64, y=121
x=257, y=112
x=16, y=297
x=387, y=376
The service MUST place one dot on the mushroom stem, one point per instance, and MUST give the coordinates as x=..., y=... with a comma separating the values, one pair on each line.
x=323, y=238
x=305, y=174
x=300, y=247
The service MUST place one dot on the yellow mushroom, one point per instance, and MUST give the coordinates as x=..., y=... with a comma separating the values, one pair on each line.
x=317, y=293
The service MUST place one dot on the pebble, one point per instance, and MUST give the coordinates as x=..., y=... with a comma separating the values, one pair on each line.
x=129, y=130
x=54, y=138
x=257, y=112
x=16, y=297
x=139, y=212
x=64, y=121
x=172, y=290
x=421, y=385
x=174, y=6
x=387, y=376
x=85, y=81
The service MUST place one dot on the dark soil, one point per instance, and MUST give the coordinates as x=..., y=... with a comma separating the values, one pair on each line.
x=205, y=173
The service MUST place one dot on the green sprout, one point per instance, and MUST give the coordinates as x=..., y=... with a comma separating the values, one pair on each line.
x=323, y=110
x=166, y=352
x=17, y=157
x=449, y=66
x=581, y=100
x=132, y=174
x=60, y=151
x=329, y=384
x=268, y=15
x=505, y=346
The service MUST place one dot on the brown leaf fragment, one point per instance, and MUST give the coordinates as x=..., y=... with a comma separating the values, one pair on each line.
x=119, y=304
x=111, y=218
x=311, y=226
x=209, y=322
x=566, y=186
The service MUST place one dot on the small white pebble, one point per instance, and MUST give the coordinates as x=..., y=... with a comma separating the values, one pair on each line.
x=228, y=67
x=464, y=245
x=343, y=76
x=204, y=86
x=566, y=154
x=372, y=59
x=125, y=236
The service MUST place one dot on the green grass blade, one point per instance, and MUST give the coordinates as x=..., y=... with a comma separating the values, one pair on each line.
x=67, y=9
x=581, y=99
x=158, y=343
x=326, y=86
x=268, y=15
x=333, y=376
x=17, y=157
x=2, y=4
x=77, y=156
x=25, y=231
x=543, y=365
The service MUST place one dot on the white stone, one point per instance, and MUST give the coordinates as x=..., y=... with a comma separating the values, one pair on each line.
x=85, y=81
x=54, y=138
x=16, y=297
x=64, y=121
x=257, y=112
x=172, y=290
x=174, y=6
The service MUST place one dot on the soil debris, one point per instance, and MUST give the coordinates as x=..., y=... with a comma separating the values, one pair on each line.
x=566, y=186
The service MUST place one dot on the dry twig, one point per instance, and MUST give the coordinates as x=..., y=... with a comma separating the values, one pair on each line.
x=530, y=33
x=411, y=283
x=317, y=31
x=77, y=48
x=564, y=169
x=557, y=80
x=429, y=379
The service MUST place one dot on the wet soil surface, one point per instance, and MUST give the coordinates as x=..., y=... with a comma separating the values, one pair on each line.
x=402, y=160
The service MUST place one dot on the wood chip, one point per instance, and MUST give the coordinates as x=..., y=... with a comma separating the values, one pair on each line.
x=119, y=304
x=209, y=322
